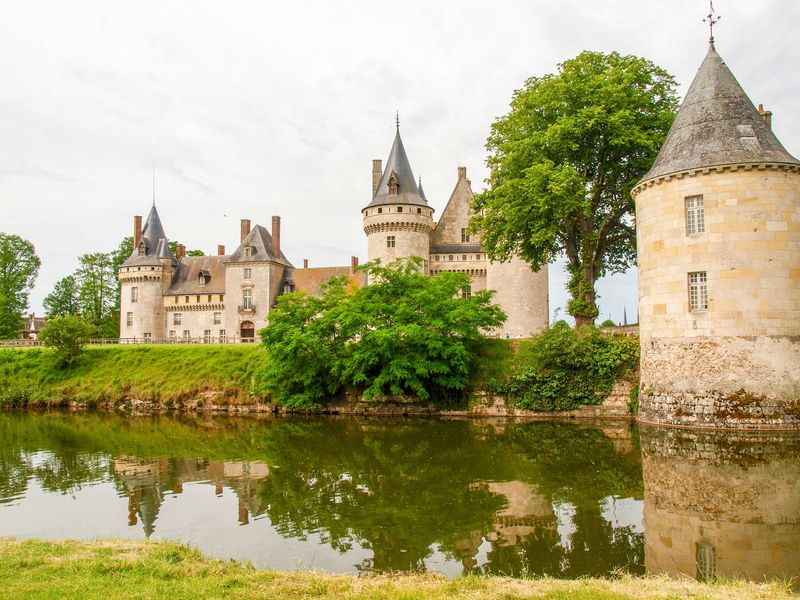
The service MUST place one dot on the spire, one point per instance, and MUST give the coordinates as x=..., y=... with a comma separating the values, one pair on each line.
x=717, y=124
x=421, y=191
x=398, y=168
x=624, y=315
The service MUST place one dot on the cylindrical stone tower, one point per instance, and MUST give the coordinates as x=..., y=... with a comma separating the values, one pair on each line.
x=522, y=294
x=718, y=232
x=398, y=222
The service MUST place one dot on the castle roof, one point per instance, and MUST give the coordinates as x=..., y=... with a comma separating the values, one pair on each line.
x=156, y=244
x=186, y=279
x=398, y=165
x=261, y=241
x=421, y=191
x=717, y=124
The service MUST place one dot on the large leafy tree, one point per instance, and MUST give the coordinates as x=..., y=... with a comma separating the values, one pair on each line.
x=564, y=160
x=19, y=267
x=64, y=299
x=98, y=289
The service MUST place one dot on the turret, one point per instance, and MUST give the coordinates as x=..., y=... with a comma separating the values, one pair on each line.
x=718, y=234
x=143, y=278
x=398, y=222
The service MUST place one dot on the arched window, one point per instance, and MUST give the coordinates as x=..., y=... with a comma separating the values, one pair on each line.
x=394, y=184
x=141, y=248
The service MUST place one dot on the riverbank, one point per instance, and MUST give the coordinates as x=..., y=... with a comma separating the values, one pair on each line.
x=225, y=378
x=106, y=569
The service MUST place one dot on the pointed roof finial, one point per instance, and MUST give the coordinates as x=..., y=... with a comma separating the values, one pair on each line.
x=397, y=120
x=712, y=20
x=154, y=183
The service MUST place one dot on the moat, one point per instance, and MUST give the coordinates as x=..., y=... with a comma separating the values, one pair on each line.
x=565, y=499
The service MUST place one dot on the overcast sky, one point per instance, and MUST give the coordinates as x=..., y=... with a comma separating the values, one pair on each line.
x=250, y=109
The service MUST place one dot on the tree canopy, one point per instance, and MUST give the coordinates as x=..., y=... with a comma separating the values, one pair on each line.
x=564, y=160
x=19, y=267
x=64, y=299
x=67, y=335
x=405, y=333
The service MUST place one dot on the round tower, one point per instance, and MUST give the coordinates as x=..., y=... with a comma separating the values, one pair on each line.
x=718, y=233
x=522, y=294
x=143, y=278
x=398, y=222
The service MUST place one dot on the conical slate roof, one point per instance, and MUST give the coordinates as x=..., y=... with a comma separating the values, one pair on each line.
x=421, y=191
x=717, y=124
x=399, y=165
x=156, y=244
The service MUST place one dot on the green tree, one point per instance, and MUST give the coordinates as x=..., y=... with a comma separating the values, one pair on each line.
x=174, y=245
x=405, y=333
x=118, y=256
x=64, y=299
x=67, y=335
x=19, y=267
x=564, y=160
x=98, y=287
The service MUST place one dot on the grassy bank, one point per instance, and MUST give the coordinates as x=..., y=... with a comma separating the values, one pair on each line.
x=213, y=373
x=108, y=569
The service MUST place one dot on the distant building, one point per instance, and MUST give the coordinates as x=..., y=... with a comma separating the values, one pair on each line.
x=33, y=325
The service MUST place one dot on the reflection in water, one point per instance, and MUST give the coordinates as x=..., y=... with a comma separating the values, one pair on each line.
x=560, y=499
x=721, y=504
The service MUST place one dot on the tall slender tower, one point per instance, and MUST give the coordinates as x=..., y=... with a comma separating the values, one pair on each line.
x=718, y=232
x=398, y=222
x=143, y=278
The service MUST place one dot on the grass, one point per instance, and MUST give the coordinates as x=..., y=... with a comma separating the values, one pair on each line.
x=213, y=373
x=108, y=569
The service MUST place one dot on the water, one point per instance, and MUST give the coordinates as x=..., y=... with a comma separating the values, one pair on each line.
x=564, y=499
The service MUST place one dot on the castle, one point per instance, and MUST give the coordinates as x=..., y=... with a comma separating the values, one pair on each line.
x=222, y=298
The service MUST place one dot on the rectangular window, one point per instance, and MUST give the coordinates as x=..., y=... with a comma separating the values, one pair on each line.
x=380, y=211
x=209, y=297
x=464, y=257
x=419, y=211
x=390, y=241
x=129, y=319
x=464, y=236
x=466, y=292
x=221, y=297
x=248, y=251
x=247, y=299
x=134, y=294
x=399, y=209
x=172, y=334
x=186, y=298
x=695, y=215
x=450, y=257
x=248, y=273
x=187, y=334
x=176, y=318
x=197, y=299
x=217, y=318
x=147, y=335
x=698, y=291
x=437, y=258
x=207, y=336
x=222, y=335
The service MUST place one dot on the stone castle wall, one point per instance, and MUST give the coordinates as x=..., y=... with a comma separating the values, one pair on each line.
x=411, y=231
x=148, y=310
x=737, y=363
x=522, y=294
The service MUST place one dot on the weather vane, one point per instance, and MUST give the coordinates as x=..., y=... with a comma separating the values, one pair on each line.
x=397, y=119
x=712, y=20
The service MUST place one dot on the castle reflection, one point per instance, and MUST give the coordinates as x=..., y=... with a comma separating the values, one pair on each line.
x=721, y=504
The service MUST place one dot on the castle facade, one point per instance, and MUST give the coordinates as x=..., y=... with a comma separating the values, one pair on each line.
x=227, y=297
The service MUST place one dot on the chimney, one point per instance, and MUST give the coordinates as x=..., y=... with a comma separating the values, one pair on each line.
x=353, y=264
x=245, y=229
x=766, y=115
x=462, y=172
x=220, y=250
x=180, y=251
x=137, y=231
x=305, y=263
x=377, y=169
x=276, y=236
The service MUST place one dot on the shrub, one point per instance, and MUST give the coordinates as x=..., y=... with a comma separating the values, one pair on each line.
x=67, y=335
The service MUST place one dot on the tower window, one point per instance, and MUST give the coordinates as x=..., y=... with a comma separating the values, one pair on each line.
x=134, y=294
x=464, y=236
x=390, y=241
x=419, y=211
x=698, y=291
x=380, y=211
x=394, y=184
x=141, y=249
x=176, y=318
x=464, y=257
x=129, y=319
x=695, y=215
x=437, y=258
x=450, y=257
x=399, y=209
x=217, y=318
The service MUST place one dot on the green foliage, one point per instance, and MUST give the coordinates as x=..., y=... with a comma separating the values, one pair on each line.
x=98, y=286
x=564, y=160
x=68, y=335
x=607, y=323
x=405, y=333
x=564, y=368
x=19, y=267
x=64, y=299
x=173, y=246
x=633, y=401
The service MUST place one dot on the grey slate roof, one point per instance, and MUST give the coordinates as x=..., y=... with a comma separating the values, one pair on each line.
x=421, y=191
x=456, y=248
x=717, y=124
x=155, y=242
x=398, y=163
x=260, y=239
x=186, y=279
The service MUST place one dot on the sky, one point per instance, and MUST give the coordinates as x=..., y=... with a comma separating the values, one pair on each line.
x=253, y=108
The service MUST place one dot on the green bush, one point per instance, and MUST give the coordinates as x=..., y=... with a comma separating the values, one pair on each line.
x=563, y=368
x=68, y=335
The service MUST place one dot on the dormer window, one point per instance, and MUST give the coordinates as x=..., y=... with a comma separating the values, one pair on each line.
x=141, y=249
x=249, y=251
x=394, y=184
x=203, y=277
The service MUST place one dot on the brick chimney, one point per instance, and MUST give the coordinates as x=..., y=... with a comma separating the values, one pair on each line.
x=137, y=231
x=220, y=250
x=245, y=229
x=462, y=172
x=276, y=236
x=353, y=264
x=180, y=251
x=305, y=263
x=376, y=174
x=766, y=115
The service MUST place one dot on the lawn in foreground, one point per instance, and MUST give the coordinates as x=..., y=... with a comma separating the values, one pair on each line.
x=107, y=569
